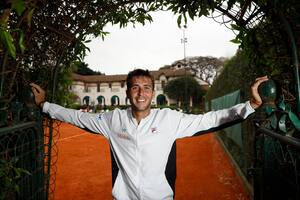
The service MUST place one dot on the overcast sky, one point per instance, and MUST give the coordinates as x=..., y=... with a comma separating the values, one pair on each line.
x=157, y=44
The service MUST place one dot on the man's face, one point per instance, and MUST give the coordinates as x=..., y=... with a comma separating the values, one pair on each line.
x=141, y=93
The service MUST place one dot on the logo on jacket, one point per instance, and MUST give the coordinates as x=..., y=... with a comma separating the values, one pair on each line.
x=123, y=136
x=154, y=130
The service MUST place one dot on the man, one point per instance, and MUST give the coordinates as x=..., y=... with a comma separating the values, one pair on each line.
x=141, y=138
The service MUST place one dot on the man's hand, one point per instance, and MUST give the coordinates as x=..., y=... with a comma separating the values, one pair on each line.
x=39, y=93
x=255, y=100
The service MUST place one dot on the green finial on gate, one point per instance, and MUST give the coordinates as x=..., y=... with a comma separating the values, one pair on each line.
x=268, y=91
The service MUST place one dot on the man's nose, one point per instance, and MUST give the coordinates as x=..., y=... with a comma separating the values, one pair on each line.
x=141, y=90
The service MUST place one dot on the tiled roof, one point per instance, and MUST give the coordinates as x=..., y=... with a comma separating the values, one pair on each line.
x=170, y=72
x=99, y=78
x=122, y=77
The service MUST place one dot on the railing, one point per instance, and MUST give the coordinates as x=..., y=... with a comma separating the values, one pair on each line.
x=21, y=151
x=26, y=155
x=276, y=167
x=276, y=163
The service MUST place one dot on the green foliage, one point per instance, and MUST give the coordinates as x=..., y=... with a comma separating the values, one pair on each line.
x=64, y=78
x=54, y=32
x=190, y=8
x=230, y=78
x=181, y=89
x=18, y=6
x=63, y=94
x=9, y=175
x=7, y=40
x=8, y=36
x=83, y=69
x=267, y=44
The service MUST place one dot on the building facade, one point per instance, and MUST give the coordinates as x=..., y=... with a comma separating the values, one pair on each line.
x=110, y=90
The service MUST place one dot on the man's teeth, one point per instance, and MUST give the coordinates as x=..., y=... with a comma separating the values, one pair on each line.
x=141, y=100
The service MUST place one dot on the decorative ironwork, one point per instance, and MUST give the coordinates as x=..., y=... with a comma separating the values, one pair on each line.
x=277, y=166
x=22, y=146
x=25, y=150
x=276, y=169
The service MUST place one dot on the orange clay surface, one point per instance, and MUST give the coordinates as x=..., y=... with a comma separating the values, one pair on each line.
x=204, y=171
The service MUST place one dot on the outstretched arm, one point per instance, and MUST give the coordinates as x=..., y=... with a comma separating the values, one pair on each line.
x=210, y=121
x=96, y=123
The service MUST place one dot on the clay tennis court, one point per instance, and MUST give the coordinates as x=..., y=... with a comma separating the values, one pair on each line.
x=204, y=171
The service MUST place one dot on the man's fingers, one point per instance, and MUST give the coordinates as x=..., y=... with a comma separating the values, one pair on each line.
x=36, y=87
x=39, y=93
x=34, y=90
x=259, y=80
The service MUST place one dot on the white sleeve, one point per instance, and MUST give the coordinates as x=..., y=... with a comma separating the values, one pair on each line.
x=192, y=124
x=95, y=122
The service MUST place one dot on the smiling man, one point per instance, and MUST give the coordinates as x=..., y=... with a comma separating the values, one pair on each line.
x=140, y=91
x=141, y=139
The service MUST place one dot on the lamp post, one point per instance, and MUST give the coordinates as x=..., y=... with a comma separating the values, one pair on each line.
x=184, y=41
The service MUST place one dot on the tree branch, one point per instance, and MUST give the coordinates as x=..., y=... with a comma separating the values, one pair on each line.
x=232, y=17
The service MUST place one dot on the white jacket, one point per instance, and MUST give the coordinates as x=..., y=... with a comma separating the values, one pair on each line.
x=141, y=150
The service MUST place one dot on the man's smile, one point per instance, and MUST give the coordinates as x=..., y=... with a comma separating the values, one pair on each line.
x=141, y=100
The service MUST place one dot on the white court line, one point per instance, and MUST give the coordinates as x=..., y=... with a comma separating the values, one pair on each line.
x=66, y=138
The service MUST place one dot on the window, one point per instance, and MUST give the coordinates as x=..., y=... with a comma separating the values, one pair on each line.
x=115, y=101
x=101, y=100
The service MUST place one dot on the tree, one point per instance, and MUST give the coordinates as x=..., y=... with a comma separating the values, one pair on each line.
x=230, y=78
x=39, y=38
x=54, y=34
x=206, y=68
x=184, y=88
x=83, y=69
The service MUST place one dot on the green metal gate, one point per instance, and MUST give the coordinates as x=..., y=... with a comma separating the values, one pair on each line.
x=27, y=164
x=22, y=147
x=271, y=166
x=276, y=169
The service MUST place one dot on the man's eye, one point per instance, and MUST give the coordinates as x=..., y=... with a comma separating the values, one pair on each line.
x=134, y=88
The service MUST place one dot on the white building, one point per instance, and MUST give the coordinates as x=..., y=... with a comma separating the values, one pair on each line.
x=111, y=89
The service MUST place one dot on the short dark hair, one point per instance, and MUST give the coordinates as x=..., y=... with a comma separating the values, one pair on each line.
x=138, y=72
